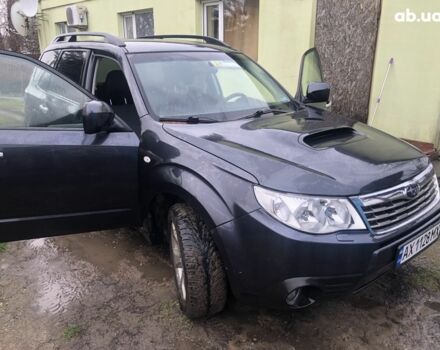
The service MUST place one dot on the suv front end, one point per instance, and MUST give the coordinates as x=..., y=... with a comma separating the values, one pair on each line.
x=284, y=258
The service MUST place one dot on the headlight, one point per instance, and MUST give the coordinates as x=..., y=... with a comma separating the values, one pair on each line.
x=317, y=215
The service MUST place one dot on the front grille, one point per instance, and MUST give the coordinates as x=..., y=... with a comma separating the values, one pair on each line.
x=392, y=209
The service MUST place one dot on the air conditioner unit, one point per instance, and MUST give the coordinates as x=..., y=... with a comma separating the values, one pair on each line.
x=76, y=16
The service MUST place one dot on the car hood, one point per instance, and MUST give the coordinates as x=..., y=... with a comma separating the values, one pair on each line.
x=311, y=152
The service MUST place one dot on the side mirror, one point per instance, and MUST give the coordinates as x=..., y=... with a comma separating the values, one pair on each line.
x=317, y=92
x=97, y=116
x=311, y=86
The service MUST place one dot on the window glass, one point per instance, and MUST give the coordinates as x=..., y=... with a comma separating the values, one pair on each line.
x=104, y=66
x=212, y=16
x=112, y=87
x=71, y=64
x=31, y=96
x=241, y=18
x=216, y=85
x=128, y=27
x=50, y=57
x=62, y=28
x=144, y=24
x=138, y=24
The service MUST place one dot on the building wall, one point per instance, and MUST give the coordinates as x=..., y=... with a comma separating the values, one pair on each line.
x=346, y=33
x=178, y=16
x=286, y=27
x=410, y=106
x=286, y=32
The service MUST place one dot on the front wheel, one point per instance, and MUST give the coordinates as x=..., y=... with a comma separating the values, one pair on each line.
x=199, y=274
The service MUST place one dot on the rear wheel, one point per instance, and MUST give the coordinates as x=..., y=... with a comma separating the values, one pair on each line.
x=199, y=274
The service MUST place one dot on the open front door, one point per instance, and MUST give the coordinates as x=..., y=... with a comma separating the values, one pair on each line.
x=54, y=178
x=312, y=90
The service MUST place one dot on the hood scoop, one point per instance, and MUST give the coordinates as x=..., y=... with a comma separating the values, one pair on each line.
x=332, y=137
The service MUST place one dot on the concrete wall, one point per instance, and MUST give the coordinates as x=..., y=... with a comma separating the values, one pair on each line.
x=346, y=33
x=410, y=106
x=286, y=27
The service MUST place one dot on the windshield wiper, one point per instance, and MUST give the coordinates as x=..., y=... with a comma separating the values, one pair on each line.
x=190, y=120
x=262, y=112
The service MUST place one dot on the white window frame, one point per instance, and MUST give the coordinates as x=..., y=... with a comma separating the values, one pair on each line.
x=63, y=25
x=133, y=19
x=205, y=5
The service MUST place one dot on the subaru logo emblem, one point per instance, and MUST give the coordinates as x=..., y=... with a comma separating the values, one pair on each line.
x=412, y=190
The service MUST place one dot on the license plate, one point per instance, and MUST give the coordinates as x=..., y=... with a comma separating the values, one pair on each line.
x=418, y=244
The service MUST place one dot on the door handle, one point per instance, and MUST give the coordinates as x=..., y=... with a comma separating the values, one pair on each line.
x=2, y=154
x=43, y=108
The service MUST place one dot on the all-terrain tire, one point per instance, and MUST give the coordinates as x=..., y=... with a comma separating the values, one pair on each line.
x=204, y=276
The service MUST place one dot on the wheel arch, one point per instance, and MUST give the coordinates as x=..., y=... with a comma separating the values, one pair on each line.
x=176, y=184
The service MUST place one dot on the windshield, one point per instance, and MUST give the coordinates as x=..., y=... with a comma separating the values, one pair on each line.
x=214, y=85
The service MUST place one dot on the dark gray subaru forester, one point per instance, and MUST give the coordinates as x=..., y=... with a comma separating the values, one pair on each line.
x=256, y=192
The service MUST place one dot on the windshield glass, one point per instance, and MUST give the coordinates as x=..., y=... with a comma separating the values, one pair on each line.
x=213, y=85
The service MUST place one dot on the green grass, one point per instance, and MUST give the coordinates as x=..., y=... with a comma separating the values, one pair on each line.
x=2, y=247
x=71, y=331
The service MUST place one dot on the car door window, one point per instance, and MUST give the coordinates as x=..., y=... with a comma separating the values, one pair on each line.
x=33, y=96
x=103, y=67
x=111, y=86
x=72, y=64
x=50, y=57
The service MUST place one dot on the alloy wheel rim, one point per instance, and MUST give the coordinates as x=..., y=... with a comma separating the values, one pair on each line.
x=178, y=263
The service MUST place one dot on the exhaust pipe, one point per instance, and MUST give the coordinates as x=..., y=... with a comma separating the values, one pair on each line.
x=299, y=298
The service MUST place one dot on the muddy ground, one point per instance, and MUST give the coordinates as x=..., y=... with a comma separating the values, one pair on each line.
x=108, y=290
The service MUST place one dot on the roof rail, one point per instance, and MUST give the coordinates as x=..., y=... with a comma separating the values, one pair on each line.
x=72, y=37
x=206, y=39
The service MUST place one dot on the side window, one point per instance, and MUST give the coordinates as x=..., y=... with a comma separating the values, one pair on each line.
x=111, y=86
x=103, y=67
x=50, y=57
x=72, y=64
x=25, y=103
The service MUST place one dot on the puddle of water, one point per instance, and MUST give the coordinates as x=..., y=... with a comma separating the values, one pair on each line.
x=38, y=243
x=107, y=250
x=66, y=266
x=56, y=295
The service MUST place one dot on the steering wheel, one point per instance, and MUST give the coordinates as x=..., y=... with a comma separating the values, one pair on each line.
x=236, y=95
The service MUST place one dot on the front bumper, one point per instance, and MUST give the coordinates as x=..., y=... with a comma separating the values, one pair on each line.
x=267, y=261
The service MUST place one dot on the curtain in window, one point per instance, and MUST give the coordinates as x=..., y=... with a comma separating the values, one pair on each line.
x=144, y=24
x=241, y=25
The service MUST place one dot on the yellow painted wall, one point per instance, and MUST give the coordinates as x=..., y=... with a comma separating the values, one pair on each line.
x=410, y=106
x=287, y=30
x=286, y=27
x=178, y=16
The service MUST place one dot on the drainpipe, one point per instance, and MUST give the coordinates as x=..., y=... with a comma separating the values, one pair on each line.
x=379, y=98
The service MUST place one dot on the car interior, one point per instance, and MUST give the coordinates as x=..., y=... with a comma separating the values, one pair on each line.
x=110, y=85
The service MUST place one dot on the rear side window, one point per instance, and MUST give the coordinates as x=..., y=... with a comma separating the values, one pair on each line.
x=50, y=57
x=72, y=64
